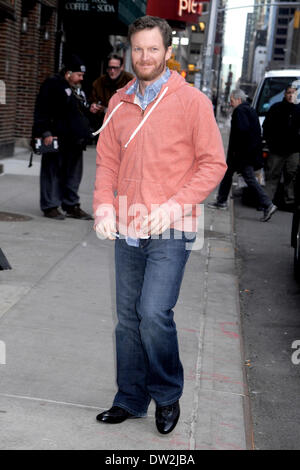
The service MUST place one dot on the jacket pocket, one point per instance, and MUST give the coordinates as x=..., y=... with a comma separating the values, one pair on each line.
x=126, y=194
x=152, y=193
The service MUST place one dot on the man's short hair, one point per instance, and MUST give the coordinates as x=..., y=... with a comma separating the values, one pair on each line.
x=290, y=85
x=150, y=22
x=239, y=94
x=115, y=56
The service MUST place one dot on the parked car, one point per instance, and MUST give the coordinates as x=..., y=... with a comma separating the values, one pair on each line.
x=271, y=89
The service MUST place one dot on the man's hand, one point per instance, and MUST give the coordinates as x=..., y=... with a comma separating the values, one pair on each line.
x=105, y=222
x=96, y=108
x=157, y=222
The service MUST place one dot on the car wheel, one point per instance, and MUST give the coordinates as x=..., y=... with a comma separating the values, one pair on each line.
x=297, y=257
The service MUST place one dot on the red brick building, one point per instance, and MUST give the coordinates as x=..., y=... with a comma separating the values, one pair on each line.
x=27, y=56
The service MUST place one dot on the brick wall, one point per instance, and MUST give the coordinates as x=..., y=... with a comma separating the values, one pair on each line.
x=26, y=59
x=9, y=34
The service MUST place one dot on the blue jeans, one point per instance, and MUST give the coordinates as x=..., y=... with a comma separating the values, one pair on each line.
x=148, y=280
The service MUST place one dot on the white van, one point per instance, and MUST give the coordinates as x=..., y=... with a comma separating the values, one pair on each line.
x=271, y=89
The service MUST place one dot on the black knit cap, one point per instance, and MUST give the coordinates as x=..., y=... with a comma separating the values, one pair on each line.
x=74, y=64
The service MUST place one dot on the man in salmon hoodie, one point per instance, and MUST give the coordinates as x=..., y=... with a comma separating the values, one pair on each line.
x=159, y=154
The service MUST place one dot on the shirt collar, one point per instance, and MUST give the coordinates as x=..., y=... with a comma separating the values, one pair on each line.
x=151, y=91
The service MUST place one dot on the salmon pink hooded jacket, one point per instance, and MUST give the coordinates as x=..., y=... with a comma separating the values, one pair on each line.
x=169, y=155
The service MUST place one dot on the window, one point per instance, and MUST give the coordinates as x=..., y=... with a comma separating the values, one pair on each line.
x=272, y=92
x=283, y=21
x=282, y=31
x=2, y=92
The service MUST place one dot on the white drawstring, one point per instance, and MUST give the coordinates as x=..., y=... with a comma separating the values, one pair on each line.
x=108, y=119
x=141, y=123
x=146, y=117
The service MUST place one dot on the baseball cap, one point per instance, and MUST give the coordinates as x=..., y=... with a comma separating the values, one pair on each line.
x=75, y=64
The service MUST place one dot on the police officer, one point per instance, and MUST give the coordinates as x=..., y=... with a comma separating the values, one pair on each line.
x=61, y=112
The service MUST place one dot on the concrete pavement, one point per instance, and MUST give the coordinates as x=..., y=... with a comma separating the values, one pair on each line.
x=57, y=316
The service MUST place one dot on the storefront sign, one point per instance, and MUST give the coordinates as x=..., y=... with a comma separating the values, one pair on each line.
x=187, y=11
x=190, y=6
x=92, y=6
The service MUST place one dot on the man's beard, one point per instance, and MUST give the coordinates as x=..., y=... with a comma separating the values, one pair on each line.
x=151, y=75
x=77, y=87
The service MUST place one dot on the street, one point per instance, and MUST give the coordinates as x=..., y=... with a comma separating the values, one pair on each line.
x=270, y=308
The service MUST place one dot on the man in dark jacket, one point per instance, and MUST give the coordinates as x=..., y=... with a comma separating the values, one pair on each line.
x=61, y=111
x=282, y=133
x=244, y=154
x=106, y=86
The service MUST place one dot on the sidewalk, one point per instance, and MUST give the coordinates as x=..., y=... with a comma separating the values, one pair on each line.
x=57, y=316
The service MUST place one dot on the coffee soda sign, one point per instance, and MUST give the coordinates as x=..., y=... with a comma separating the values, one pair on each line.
x=92, y=6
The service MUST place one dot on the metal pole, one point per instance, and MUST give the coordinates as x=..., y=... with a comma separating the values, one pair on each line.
x=218, y=80
x=210, y=44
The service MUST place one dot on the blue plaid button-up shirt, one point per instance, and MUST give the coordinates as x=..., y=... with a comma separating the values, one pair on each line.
x=151, y=91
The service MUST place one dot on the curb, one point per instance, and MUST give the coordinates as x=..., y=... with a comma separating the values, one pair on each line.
x=249, y=433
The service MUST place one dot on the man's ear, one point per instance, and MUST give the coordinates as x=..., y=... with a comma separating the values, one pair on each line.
x=169, y=53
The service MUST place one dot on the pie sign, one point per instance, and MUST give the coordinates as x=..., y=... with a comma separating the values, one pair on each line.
x=190, y=6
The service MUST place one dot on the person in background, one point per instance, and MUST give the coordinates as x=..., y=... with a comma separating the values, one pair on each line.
x=61, y=111
x=106, y=86
x=161, y=152
x=244, y=154
x=281, y=130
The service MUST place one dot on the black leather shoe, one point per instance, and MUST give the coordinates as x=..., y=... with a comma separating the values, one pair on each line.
x=114, y=415
x=54, y=213
x=77, y=213
x=167, y=417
